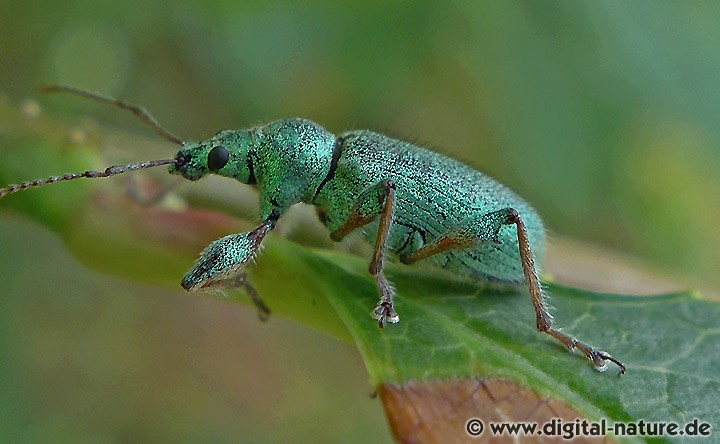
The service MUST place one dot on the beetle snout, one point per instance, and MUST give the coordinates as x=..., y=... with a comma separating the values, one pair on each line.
x=186, y=166
x=182, y=160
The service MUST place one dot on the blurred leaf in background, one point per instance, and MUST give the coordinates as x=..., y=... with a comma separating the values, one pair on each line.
x=604, y=115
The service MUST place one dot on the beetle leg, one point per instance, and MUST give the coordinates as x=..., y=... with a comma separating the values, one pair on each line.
x=376, y=200
x=544, y=320
x=241, y=280
x=263, y=309
x=222, y=263
x=487, y=230
x=484, y=230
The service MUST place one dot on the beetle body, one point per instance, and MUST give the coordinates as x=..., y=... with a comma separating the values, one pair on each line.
x=296, y=160
x=417, y=203
x=434, y=195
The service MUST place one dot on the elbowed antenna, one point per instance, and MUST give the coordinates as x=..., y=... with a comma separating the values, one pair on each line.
x=138, y=111
x=109, y=171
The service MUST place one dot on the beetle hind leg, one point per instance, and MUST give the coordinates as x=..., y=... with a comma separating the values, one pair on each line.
x=486, y=230
x=544, y=320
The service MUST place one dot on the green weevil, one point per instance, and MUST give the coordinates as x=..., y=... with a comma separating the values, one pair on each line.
x=409, y=200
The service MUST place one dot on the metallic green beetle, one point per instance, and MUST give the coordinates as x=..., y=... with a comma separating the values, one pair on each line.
x=414, y=202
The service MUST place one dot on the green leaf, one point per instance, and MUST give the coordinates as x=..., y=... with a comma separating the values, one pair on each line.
x=452, y=329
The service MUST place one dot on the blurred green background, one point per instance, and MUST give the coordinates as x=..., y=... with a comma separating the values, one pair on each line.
x=604, y=115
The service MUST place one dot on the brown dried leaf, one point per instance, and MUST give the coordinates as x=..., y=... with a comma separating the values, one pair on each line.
x=438, y=411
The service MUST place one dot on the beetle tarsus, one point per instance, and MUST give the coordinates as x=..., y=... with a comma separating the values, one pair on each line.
x=385, y=312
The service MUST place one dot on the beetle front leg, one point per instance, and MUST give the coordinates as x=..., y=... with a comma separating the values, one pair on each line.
x=487, y=229
x=242, y=280
x=221, y=264
x=376, y=200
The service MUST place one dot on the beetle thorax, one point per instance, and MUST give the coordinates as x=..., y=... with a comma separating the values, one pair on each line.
x=290, y=160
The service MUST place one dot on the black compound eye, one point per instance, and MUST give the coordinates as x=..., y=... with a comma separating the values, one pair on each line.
x=217, y=158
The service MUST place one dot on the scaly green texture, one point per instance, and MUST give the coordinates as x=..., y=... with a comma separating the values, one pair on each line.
x=287, y=159
x=295, y=160
x=436, y=196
